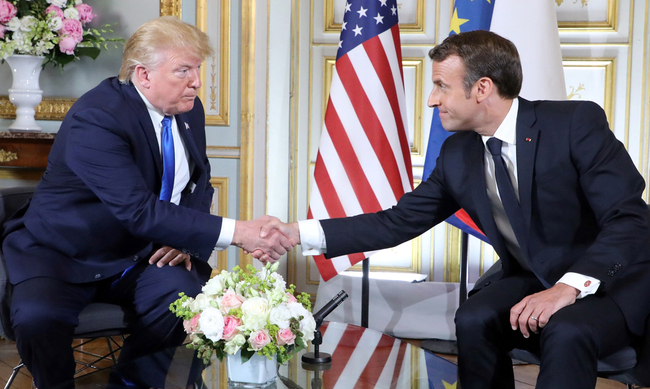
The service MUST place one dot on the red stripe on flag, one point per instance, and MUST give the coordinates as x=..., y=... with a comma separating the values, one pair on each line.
x=398, y=50
x=382, y=67
x=464, y=217
x=376, y=364
x=353, y=169
x=398, y=365
x=370, y=123
x=341, y=355
x=326, y=187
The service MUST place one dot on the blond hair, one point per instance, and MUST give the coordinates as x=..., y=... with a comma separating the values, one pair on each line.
x=157, y=36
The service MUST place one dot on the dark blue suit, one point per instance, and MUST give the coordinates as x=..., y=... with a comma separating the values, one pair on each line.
x=96, y=213
x=581, y=198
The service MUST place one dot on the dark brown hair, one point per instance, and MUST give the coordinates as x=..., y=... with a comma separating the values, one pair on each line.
x=485, y=54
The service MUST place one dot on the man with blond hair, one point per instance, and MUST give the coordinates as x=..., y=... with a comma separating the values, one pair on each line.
x=122, y=214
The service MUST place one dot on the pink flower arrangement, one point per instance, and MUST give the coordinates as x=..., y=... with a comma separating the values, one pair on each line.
x=253, y=313
x=57, y=33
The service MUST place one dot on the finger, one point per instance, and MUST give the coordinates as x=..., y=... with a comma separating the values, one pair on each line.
x=286, y=243
x=533, y=321
x=515, y=312
x=524, y=321
x=157, y=255
x=257, y=254
x=166, y=258
x=268, y=227
x=178, y=259
x=188, y=263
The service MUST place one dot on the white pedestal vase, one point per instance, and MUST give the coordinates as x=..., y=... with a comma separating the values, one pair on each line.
x=25, y=92
x=258, y=372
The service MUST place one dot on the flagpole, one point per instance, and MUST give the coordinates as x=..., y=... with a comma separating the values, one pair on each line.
x=464, y=243
x=365, y=292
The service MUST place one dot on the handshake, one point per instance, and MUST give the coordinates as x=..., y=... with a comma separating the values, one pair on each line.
x=266, y=238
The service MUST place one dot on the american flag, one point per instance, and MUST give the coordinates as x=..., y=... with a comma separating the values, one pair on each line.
x=363, y=163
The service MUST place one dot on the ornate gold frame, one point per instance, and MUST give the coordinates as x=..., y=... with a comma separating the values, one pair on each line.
x=55, y=108
x=418, y=27
x=610, y=70
x=223, y=119
x=605, y=26
x=221, y=184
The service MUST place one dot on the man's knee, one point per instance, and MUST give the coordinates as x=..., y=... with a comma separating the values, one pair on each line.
x=560, y=334
x=33, y=321
x=470, y=319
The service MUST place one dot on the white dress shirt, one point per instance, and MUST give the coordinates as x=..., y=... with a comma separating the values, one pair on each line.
x=182, y=169
x=312, y=236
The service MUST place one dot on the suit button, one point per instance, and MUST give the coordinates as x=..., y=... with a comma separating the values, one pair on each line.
x=488, y=283
x=135, y=259
x=97, y=276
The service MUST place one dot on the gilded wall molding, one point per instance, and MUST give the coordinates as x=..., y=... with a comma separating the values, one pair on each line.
x=220, y=184
x=609, y=24
x=332, y=26
x=171, y=8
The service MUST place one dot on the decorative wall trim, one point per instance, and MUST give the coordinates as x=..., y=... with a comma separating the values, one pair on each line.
x=609, y=66
x=215, y=73
x=332, y=26
x=220, y=185
x=608, y=25
x=228, y=152
x=171, y=8
x=49, y=109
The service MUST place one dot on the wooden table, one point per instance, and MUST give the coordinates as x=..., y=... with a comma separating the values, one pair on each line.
x=23, y=155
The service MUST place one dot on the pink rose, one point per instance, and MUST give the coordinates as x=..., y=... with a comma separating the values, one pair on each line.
x=7, y=11
x=67, y=45
x=285, y=336
x=71, y=28
x=291, y=298
x=85, y=13
x=230, y=327
x=2, y=31
x=259, y=339
x=230, y=301
x=54, y=9
x=192, y=326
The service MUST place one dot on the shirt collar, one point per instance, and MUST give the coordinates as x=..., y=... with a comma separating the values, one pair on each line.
x=507, y=130
x=155, y=114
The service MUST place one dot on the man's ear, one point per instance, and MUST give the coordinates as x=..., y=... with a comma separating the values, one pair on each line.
x=141, y=74
x=484, y=88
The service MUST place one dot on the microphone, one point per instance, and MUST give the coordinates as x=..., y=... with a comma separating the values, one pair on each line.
x=329, y=307
x=318, y=358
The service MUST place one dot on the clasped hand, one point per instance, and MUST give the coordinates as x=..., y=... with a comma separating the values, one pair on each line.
x=265, y=238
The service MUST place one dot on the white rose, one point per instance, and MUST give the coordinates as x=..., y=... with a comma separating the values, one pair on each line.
x=280, y=316
x=214, y=286
x=307, y=324
x=27, y=23
x=58, y=3
x=234, y=344
x=200, y=303
x=13, y=24
x=255, y=312
x=77, y=2
x=211, y=324
x=71, y=13
x=55, y=23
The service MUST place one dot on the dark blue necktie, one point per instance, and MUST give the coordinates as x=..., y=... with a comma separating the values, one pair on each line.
x=507, y=193
x=167, y=143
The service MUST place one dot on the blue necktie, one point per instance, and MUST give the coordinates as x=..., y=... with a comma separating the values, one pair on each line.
x=507, y=193
x=167, y=143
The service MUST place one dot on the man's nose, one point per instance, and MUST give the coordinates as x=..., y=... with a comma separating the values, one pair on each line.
x=195, y=78
x=433, y=100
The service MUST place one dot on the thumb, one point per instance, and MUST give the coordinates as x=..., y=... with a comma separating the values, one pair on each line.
x=268, y=228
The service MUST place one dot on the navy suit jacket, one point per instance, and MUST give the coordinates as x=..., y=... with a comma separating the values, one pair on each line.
x=579, y=191
x=96, y=210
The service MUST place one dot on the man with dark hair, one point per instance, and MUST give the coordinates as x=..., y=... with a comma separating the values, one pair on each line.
x=560, y=200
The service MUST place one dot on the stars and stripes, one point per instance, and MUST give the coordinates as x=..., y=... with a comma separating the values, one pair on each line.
x=363, y=164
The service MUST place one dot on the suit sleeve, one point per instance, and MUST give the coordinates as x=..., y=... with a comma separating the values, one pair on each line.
x=100, y=154
x=415, y=213
x=613, y=187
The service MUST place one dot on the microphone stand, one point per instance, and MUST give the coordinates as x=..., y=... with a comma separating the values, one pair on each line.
x=318, y=358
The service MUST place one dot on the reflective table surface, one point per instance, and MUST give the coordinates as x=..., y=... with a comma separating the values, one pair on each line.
x=361, y=358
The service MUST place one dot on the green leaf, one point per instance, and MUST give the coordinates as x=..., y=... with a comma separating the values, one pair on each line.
x=92, y=52
x=246, y=354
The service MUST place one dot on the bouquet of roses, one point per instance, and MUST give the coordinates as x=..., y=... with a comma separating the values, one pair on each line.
x=253, y=312
x=51, y=28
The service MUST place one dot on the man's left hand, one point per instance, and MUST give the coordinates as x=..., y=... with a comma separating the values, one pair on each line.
x=534, y=311
x=170, y=256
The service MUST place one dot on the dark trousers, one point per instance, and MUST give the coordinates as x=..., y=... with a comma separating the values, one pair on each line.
x=45, y=311
x=569, y=346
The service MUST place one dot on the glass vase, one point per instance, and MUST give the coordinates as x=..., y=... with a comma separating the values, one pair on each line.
x=257, y=372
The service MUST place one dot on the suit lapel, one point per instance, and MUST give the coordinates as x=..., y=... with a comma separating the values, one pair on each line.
x=195, y=162
x=527, y=138
x=140, y=111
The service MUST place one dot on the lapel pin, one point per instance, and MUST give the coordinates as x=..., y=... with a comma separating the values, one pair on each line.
x=528, y=139
x=187, y=126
